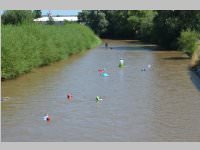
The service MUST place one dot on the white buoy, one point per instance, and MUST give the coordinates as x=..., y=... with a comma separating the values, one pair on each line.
x=121, y=61
x=149, y=66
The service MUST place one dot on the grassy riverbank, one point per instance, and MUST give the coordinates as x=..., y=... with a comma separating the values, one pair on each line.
x=29, y=46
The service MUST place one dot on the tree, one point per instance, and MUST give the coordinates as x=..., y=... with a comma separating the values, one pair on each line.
x=16, y=17
x=95, y=19
x=169, y=24
x=142, y=23
x=162, y=27
x=188, y=41
x=118, y=27
x=37, y=13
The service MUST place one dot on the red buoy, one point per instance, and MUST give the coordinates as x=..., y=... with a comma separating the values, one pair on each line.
x=101, y=70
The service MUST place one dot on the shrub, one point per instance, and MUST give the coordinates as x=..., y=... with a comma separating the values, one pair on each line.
x=188, y=41
x=28, y=46
x=16, y=17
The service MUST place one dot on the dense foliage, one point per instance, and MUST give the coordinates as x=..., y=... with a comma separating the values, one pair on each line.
x=32, y=45
x=37, y=13
x=169, y=24
x=95, y=19
x=16, y=17
x=188, y=41
x=119, y=23
x=163, y=26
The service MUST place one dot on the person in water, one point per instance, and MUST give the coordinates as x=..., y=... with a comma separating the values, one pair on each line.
x=106, y=45
x=98, y=98
x=47, y=118
x=69, y=96
x=121, y=63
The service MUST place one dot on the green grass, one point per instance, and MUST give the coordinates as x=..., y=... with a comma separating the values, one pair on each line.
x=25, y=47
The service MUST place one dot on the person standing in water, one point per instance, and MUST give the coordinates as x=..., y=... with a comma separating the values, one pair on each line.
x=106, y=45
x=121, y=62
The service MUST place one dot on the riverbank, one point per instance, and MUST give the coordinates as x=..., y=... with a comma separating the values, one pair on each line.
x=30, y=46
x=195, y=62
x=195, y=76
x=196, y=71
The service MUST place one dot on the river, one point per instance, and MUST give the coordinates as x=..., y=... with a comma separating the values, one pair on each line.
x=159, y=104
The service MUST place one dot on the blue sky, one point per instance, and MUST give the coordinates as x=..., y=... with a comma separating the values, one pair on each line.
x=58, y=12
x=61, y=12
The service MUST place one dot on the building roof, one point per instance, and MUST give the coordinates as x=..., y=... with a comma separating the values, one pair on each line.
x=68, y=18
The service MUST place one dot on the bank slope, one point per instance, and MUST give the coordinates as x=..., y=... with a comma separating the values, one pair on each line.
x=26, y=47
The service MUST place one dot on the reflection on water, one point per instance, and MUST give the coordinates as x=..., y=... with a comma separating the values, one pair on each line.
x=161, y=104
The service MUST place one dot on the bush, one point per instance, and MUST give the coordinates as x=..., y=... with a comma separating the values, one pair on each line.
x=188, y=41
x=16, y=17
x=28, y=46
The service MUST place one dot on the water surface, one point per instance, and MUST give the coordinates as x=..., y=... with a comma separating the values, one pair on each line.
x=161, y=104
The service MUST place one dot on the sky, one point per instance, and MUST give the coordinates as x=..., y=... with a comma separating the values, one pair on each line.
x=57, y=12
x=61, y=12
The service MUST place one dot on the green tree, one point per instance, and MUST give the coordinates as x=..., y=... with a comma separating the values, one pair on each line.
x=169, y=24
x=95, y=19
x=162, y=27
x=118, y=27
x=188, y=41
x=142, y=23
x=16, y=17
x=37, y=13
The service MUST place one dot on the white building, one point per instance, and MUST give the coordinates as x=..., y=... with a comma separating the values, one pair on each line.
x=57, y=19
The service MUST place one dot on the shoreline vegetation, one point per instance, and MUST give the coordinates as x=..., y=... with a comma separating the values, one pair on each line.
x=29, y=46
x=190, y=44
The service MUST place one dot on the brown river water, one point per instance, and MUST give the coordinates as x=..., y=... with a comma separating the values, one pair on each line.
x=159, y=104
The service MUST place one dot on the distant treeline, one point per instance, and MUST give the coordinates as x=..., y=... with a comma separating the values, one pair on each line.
x=17, y=17
x=168, y=28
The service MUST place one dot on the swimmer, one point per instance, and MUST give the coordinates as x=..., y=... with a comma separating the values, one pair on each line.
x=98, y=98
x=121, y=63
x=106, y=45
x=143, y=69
x=46, y=117
x=69, y=96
